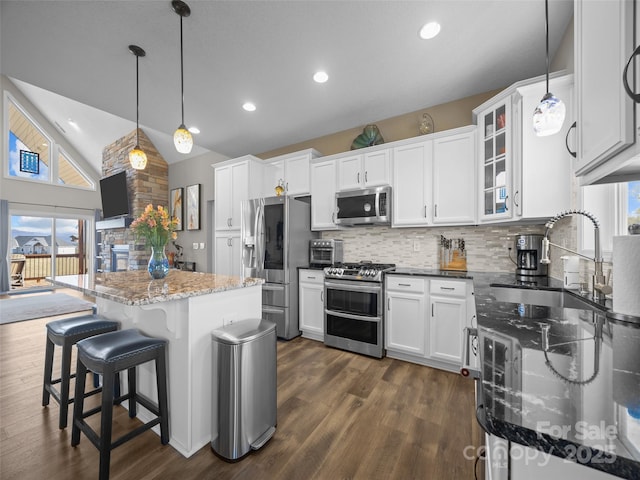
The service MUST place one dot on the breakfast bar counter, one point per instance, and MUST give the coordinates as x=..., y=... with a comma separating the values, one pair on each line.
x=183, y=308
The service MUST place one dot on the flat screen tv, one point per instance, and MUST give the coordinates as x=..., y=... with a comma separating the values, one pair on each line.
x=115, y=199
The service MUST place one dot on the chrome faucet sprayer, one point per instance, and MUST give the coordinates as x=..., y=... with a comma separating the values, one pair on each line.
x=600, y=287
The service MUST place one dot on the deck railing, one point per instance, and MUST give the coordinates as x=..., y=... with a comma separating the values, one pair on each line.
x=38, y=266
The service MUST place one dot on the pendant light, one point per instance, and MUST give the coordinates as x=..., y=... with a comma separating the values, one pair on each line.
x=182, y=138
x=137, y=158
x=548, y=116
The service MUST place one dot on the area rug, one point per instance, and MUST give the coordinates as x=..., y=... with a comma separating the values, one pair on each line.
x=38, y=306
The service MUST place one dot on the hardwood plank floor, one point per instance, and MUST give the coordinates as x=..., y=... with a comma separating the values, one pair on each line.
x=340, y=416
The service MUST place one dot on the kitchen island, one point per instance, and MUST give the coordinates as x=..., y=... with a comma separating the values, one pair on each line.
x=183, y=308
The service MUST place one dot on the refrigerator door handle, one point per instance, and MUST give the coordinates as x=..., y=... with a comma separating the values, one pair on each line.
x=260, y=240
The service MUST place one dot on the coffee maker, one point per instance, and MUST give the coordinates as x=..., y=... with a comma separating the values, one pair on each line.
x=528, y=255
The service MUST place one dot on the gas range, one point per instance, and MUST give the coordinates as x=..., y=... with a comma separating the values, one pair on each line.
x=362, y=271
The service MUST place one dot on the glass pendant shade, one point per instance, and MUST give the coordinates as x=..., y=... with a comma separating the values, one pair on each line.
x=183, y=140
x=548, y=116
x=137, y=158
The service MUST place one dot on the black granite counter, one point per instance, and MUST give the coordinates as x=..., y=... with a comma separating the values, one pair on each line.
x=562, y=380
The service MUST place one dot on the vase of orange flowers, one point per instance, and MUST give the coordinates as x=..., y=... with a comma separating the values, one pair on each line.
x=156, y=227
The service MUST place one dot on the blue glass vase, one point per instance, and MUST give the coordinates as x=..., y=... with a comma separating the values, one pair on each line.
x=158, y=263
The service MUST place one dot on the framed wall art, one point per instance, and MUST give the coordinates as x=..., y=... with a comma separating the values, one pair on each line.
x=175, y=207
x=193, y=207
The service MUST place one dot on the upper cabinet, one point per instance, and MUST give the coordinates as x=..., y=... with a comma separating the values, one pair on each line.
x=494, y=126
x=412, y=190
x=323, y=195
x=235, y=180
x=454, y=179
x=522, y=176
x=608, y=135
x=363, y=170
x=291, y=171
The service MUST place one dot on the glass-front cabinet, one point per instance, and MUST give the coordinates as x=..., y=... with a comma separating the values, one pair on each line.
x=495, y=148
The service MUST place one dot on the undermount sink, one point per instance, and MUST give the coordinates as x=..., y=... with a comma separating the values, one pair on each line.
x=545, y=298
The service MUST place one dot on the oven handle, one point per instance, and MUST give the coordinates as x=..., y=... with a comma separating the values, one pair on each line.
x=350, y=316
x=467, y=370
x=353, y=287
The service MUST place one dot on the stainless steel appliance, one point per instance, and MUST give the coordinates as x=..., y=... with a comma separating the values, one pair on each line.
x=354, y=313
x=369, y=206
x=275, y=233
x=325, y=252
x=529, y=254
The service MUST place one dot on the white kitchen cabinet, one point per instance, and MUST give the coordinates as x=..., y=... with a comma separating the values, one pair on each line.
x=495, y=159
x=228, y=259
x=406, y=320
x=448, y=309
x=412, y=187
x=523, y=176
x=608, y=136
x=323, y=195
x=293, y=170
x=454, y=179
x=235, y=180
x=363, y=170
x=311, y=303
x=543, y=167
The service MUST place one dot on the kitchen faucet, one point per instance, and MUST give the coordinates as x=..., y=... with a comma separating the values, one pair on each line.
x=600, y=286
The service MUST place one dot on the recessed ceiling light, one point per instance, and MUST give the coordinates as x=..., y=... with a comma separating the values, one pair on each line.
x=249, y=107
x=429, y=30
x=73, y=123
x=194, y=130
x=320, y=77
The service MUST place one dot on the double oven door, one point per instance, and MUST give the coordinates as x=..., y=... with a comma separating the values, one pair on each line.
x=353, y=316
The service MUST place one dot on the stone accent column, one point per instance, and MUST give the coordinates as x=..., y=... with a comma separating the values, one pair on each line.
x=150, y=185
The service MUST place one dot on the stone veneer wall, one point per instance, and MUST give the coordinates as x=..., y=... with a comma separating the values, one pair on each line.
x=150, y=185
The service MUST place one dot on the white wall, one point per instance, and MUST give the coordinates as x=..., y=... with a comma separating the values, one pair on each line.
x=189, y=172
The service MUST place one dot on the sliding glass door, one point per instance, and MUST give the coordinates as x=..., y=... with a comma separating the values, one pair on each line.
x=43, y=247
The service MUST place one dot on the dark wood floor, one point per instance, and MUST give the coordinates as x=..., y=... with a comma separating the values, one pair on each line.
x=340, y=416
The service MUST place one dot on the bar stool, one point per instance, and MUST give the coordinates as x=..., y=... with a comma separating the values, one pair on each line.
x=66, y=333
x=108, y=354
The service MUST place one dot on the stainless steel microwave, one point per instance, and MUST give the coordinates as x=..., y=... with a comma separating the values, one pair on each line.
x=368, y=206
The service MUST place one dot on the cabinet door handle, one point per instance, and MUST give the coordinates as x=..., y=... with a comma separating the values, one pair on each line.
x=506, y=205
x=333, y=217
x=388, y=304
x=515, y=197
x=322, y=296
x=566, y=139
x=435, y=210
x=634, y=96
x=287, y=187
x=404, y=284
x=432, y=314
x=447, y=288
x=425, y=211
x=365, y=177
x=358, y=178
x=311, y=278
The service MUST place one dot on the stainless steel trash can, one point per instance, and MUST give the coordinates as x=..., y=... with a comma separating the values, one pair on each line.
x=244, y=387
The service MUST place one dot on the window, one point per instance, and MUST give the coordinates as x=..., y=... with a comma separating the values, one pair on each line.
x=632, y=213
x=27, y=140
x=34, y=156
x=616, y=206
x=69, y=173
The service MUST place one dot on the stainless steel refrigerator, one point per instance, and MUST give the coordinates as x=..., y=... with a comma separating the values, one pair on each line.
x=275, y=242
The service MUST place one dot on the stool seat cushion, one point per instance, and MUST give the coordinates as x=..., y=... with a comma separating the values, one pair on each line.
x=80, y=325
x=116, y=346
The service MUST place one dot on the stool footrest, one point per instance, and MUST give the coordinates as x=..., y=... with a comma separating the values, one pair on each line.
x=135, y=433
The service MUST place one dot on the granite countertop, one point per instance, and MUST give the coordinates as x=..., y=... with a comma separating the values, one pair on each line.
x=135, y=287
x=561, y=380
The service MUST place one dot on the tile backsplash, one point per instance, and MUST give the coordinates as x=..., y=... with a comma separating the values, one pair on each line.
x=487, y=246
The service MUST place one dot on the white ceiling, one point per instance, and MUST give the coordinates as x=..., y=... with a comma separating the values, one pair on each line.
x=71, y=59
